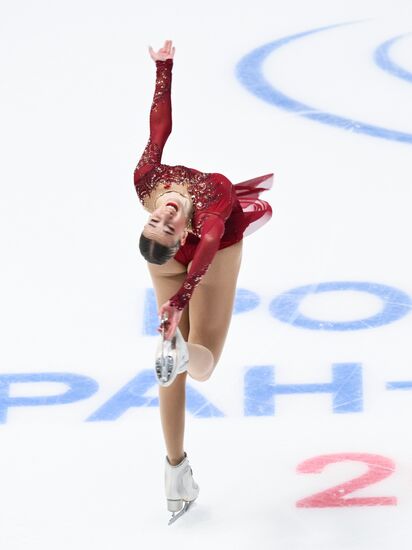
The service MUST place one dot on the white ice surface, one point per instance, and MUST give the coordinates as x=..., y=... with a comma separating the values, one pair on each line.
x=75, y=91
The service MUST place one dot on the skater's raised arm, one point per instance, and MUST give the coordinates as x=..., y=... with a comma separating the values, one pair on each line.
x=160, y=111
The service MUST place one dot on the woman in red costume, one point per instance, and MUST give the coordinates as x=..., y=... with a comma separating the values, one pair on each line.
x=192, y=242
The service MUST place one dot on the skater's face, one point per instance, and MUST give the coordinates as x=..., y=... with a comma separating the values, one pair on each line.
x=167, y=224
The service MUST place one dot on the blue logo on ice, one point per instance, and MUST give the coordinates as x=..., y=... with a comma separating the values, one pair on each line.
x=249, y=73
x=396, y=304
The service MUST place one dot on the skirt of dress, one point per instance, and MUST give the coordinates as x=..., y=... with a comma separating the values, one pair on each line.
x=256, y=211
x=248, y=214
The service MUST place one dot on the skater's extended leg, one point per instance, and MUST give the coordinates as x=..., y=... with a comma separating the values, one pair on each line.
x=210, y=309
x=201, y=361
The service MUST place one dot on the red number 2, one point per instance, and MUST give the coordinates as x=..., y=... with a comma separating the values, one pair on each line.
x=379, y=467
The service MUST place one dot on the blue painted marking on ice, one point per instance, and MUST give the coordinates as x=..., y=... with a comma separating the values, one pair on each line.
x=383, y=60
x=249, y=72
x=245, y=300
x=150, y=316
x=405, y=385
x=395, y=305
x=79, y=387
x=346, y=388
x=133, y=394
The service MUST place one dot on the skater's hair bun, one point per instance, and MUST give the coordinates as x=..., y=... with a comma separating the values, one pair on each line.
x=156, y=253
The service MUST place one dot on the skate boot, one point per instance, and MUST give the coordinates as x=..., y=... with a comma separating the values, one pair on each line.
x=172, y=357
x=181, y=488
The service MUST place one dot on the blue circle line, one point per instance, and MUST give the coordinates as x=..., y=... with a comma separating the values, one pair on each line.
x=383, y=60
x=249, y=72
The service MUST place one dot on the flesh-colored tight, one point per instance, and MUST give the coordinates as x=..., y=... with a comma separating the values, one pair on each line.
x=204, y=326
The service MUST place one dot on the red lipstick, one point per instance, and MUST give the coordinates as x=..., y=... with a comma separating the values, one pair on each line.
x=174, y=204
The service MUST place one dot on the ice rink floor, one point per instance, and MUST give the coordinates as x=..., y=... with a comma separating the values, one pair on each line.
x=301, y=439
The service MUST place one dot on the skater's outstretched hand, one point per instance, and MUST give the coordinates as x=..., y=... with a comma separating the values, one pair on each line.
x=167, y=52
x=173, y=319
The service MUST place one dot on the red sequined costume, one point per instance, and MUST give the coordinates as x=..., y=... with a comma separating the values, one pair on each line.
x=222, y=212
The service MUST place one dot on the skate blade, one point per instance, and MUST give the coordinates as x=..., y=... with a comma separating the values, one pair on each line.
x=165, y=369
x=166, y=362
x=180, y=514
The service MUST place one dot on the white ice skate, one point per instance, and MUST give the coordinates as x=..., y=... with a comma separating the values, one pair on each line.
x=181, y=488
x=172, y=356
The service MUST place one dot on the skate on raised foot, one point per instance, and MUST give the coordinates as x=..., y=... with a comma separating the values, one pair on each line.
x=181, y=488
x=172, y=356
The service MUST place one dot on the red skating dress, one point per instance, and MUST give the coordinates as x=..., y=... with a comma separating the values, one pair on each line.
x=222, y=212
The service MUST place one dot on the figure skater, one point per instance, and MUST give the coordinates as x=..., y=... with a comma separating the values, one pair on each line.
x=192, y=239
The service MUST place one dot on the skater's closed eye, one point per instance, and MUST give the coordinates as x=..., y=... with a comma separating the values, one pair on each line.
x=153, y=223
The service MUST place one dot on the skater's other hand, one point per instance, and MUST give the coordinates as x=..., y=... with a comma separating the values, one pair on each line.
x=167, y=52
x=173, y=319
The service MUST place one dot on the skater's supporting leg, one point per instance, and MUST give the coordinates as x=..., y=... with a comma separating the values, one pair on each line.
x=211, y=307
x=172, y=400
x=167, y=279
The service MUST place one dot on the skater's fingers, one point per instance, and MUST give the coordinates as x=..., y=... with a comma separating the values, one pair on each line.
x=164, y=317
x=170, y=331
x=163, y=311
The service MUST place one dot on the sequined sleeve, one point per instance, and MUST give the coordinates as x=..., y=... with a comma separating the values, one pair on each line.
x=160, y=120
x=213, y=227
